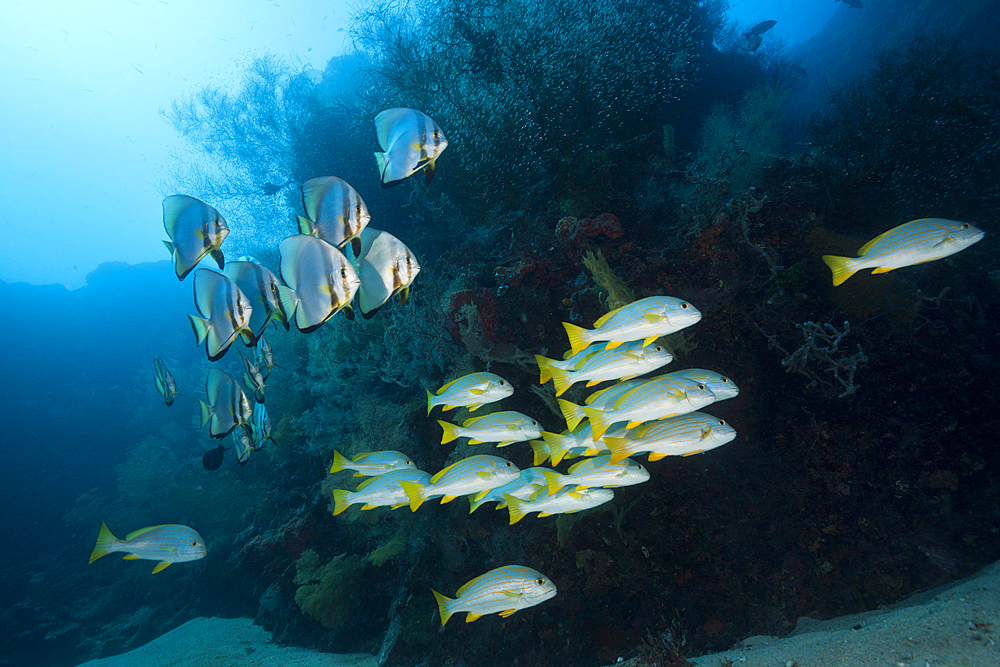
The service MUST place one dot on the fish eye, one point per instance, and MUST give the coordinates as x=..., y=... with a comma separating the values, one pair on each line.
x=701, y=386
x=685, y=305
x=658, y=348
x=725, y=380
x=194, y=544
x=343, y=273
x=501, y=383
x=540, y=581
x=722, y=422
x=507, y=465
x=534, y=423
x=965, y=225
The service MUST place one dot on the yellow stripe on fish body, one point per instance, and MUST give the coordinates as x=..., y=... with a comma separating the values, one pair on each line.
x=682, y=435
x=470, y=476
x=503, y=428
x=169, y=543
x=472, y=390
x=598, y=471
x=627, y=361
x=645, y=320
x=504, y=590
x=382, y=491
x=659, y=398
x=371, y=464
x=914, y=242
x=195, y=230
x=565, y=501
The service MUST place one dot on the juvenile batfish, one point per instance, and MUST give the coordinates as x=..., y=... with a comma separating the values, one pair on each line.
x=385, y=267
x=472, y=390
x=410, y=141
x=598, y=471
x=264, y=358
x=914, y=242
x=225, y=313
x=320, y=280
x=474, y=475
x=260, y=286
x=682, y=435
x=227, y=406
x=165, y=383
x=506, y=590
x=503, y=428
x=371, y=464
x=195, y=230
x=260, y=426
x=334, y=210
x=169, y=543
x=243, y=444
x=382, y=491
x=645, y=320
x=627, y=361
x=565, y=501
x=253, y=379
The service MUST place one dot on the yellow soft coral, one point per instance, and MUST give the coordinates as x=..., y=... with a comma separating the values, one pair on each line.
x=327, y=592
x=614, y=287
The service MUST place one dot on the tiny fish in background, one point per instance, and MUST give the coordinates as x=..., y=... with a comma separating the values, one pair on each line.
x=212, y=459
x=410, y=141
x=472, y=390
x=760, y=28
x=165, y=384
x=195, y=230
x=914, y=242
x=335, y=212
x=371, y=464
x=169, y=543
x=504, y=590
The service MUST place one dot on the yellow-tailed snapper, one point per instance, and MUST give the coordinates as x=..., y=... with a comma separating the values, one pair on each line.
x=410, y=141
x=320, y=281
x=165, y=383
x=382, y=491
x=914, y=242
x=505, y=590
x=577, y=442
x=645, y=320
x=565, y=501
x=385, y=267
x=225, y=313
x=260, y=286
x=472, y=390
x=719, y=384
x=598, y=471
x=169, y=543
x=195, y=230
x=629, y=360
x=504, y=428
x=371, y=464
x=568, y=363
x=658, y=398
x=334, y=210
x=682, y=435
x=227, y=406
x=474, y=476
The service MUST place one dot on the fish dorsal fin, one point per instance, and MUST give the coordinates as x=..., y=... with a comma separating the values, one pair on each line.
x=445, y=386
x=365, y=483
x=138, y=533
x=313, y=192
x=173, y=207
x=436, y=478
x=361, y=456
x=384, y=123
x=577, y=466
x=605, y=317
x=467, y=586
x=863, y=250
x=470, y=421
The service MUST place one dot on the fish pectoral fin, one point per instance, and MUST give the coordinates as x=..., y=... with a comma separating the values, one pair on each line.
x=130, y=557
x=883, y=269
x=447, y=499
x=161, y=565
x=477, y=391
x=508, y=612
x=512, y=594
x=470, y=617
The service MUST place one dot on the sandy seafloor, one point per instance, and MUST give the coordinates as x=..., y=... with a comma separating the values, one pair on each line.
x=955, y=625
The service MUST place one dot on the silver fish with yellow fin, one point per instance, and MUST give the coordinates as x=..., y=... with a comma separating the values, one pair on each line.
x=683, y=435
x=169, y=543
x=371, y=464
x=472, y=390
x=385, y=267
x=913, y=242
x=565, y=501
x=165, y=383
x=334, y=210
x=645, y=320
x=225, y=313
x=382, y=491
x=503, y=428
x=620, y=363
x=260, y=286
x=472, y=476
x=320, y=280
x=410, y=141
x=227, y=406
x=504, y=590
x=527, y=483
x=195, y=230
x=598, y=471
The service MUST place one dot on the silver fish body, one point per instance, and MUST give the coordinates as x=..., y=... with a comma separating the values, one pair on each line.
x=504, y=590
x=385, y=267
x=564, y=501
x=225, y=313
x=334, y=210
x=371, y=464
x=320, y=280
x=645, y=320
x=472, y=390
x=474, y=476
x=169, y=543
x=410, y=141
x=166, y=386
x=260, y=286
x=195, y=230
x=504, y=428
x=227, y=406
x=382, y=491
x=682, y=435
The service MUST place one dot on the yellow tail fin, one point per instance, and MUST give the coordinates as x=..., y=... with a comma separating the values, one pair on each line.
x=104, y=540
x=340, y=501
x=442, y=606
x=450, y=431
x=838, y=265
x=515, y=507
x=562, y=380
x=544, y=368
x=598, y=425
x=412, y=491
x=339, y=460
x=571, y=412
x=576, y=334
